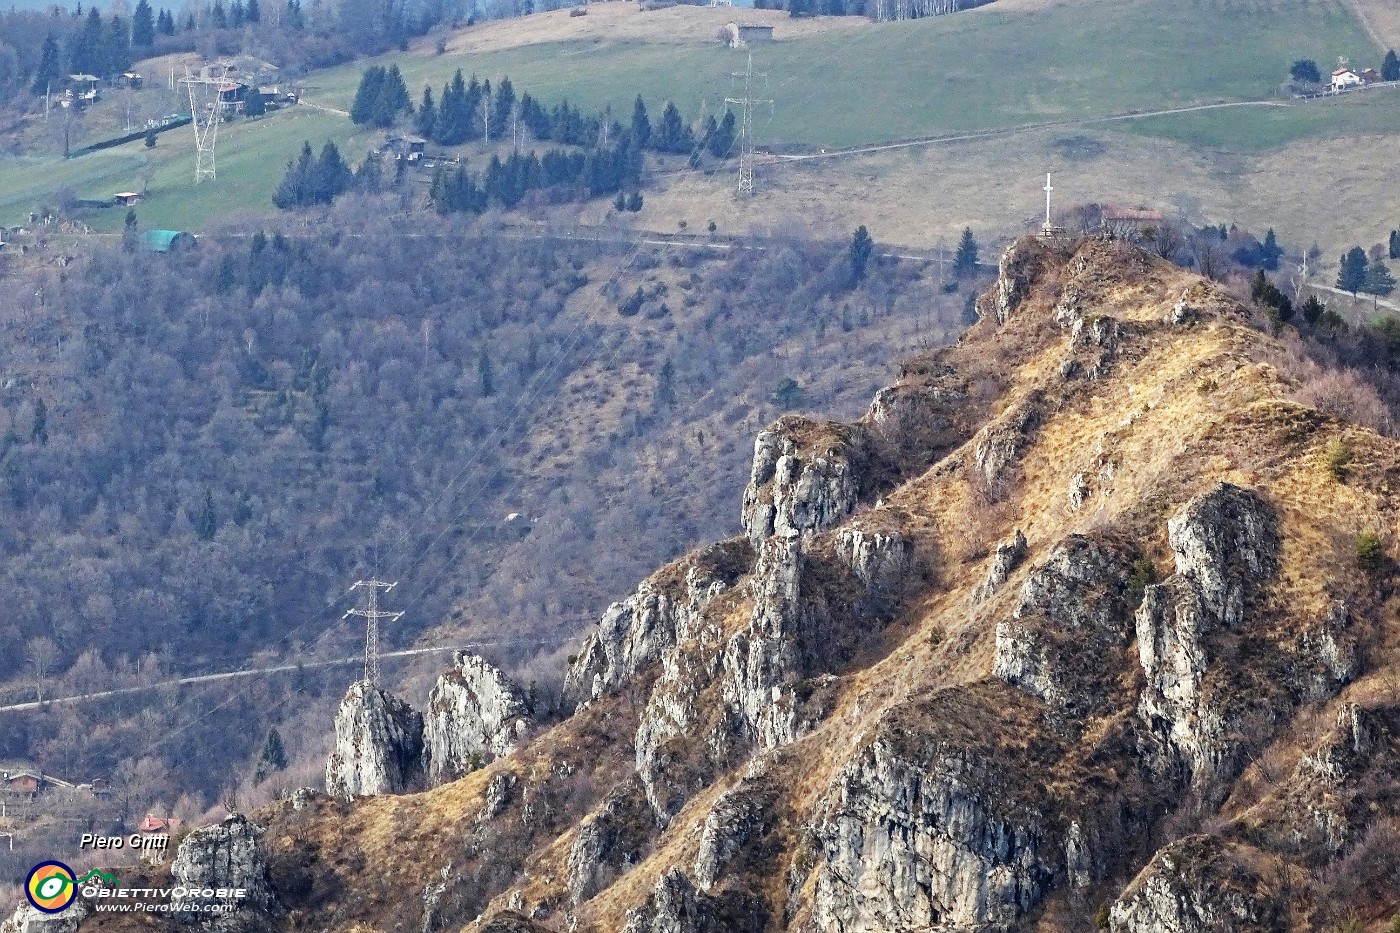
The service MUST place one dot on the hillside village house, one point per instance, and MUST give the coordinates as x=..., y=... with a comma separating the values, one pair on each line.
x=31, y=784
x=1344, y=79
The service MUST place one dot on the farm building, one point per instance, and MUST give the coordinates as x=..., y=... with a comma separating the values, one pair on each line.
x=403, y=147
x=126, y=198
x=30, y=784
x=738, y=35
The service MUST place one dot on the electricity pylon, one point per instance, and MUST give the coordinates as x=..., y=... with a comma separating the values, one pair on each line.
x=206, y=112
x=746, y=125
x=372, y=614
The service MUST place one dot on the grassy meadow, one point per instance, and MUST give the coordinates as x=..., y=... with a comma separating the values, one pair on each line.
x=986, y=68
x=835, y=82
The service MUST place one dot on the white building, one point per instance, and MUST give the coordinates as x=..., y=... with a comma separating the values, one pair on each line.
x=1345, y=78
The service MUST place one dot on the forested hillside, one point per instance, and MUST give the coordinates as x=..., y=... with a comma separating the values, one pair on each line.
x=203, y=449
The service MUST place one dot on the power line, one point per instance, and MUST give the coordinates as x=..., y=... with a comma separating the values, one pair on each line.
x=746, y=125
x=372, y=614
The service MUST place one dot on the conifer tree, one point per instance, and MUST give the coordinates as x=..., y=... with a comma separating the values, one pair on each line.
x=116, y=48
x=1394, y=244
x=862, y=246
x=1270, y=252
x=722, y=140
x=217, y=16
x=1379, y=280
x=143, y=26
x=425, y=120
x=966, y=258
x=86, y=54
x=1352, y=277
x=50, y=68
x=1390, y=68
x=363, y=108
x=206, y=524
x=641, y=125
x=502, y=106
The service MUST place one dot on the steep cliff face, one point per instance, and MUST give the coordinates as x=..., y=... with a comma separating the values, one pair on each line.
x=663, y=612
x=475, y=713
x=227, y=856
x=1071, y=618
x=378, y=744
x=1225, y=546
x=930, y=828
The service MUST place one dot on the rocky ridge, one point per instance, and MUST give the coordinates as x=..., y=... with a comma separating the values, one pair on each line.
x=925, y=689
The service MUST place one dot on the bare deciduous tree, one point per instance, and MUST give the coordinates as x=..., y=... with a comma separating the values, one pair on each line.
x=42, y=655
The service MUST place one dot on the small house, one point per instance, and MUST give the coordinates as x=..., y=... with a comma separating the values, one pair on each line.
x=132, y=80
x=738, y=35
x=1370, y=76
x=83, y=89
x=1344, y=79
x=232, y=97
x=126, y=198
x=156, y=825
x=408, y=148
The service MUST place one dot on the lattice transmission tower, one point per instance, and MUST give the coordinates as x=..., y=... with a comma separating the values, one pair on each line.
x=206, y=113
x=371, y=613
x=746, y=124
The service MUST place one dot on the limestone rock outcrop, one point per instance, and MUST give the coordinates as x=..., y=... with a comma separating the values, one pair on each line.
x=934, y=828
x=608, y=841
x=1071, y=617
x=1225, y=546
x=227, y=856
x=998, y=447
x=1195, y=885
x=675, y=906
x=734, y=830
x=804, y=478
x=664, y=611
x=1016, y=272
x=26, y=919
x=766, y=655
x=879, y=554
x=378, y=744
x=475, y=714
x=1006, y=558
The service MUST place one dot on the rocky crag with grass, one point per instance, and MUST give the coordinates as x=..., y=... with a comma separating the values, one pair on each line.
x=1076, y=628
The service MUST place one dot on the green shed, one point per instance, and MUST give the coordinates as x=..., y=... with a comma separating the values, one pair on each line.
x=163, y=241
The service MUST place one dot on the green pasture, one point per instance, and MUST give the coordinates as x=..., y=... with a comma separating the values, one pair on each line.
x=948, y=74
x=252, y=156
x=1253, y=129
x=983, y=69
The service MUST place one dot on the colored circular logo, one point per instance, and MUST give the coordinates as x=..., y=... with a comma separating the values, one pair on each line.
x=51, y=887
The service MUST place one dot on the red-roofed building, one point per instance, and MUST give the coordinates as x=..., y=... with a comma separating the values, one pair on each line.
x=158, y=824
